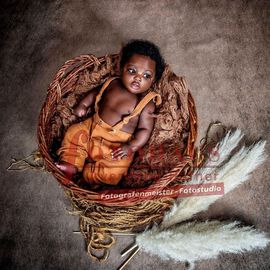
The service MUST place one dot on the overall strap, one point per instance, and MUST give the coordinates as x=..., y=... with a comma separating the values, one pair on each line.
x=139, y=108
x=104, y=86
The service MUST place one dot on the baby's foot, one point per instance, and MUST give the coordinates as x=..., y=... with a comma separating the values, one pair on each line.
x=68, y=169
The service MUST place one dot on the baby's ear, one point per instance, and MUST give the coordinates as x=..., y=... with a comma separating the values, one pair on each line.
x=154, y=81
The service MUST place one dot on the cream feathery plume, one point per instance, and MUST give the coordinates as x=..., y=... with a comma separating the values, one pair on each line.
x=224, y=149
x=200, y=240
x=232, y=173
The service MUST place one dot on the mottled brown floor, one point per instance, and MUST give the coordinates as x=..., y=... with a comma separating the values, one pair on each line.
x=221, y=47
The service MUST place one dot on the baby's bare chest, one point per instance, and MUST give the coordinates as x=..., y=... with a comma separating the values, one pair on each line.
x=115, y=101
x=115, y=105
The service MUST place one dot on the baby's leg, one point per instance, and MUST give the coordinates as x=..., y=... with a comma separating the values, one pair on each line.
x=106, y=171
x=73, y=151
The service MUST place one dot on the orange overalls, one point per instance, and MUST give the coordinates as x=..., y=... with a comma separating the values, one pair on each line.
x=96, y=139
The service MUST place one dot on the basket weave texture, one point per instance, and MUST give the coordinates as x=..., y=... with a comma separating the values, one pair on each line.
x=173, y=141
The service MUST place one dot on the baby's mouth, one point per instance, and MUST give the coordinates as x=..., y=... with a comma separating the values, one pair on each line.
x=135, y=85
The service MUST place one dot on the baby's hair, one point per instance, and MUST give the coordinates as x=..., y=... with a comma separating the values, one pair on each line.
x=143, y=47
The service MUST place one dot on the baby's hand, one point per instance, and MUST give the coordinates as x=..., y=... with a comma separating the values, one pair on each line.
x=123, y=151
x=80, y=110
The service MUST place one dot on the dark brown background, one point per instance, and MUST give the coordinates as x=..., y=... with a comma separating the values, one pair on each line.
x=221, y=47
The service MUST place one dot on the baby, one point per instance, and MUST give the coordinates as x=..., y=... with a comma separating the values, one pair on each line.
x=103, y=146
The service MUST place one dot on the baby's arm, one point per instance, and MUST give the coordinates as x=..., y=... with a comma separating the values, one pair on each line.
x=84, y=105
x=141, y=135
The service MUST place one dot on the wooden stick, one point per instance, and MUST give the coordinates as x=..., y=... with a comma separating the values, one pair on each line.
x=128, y=250
x=123, y=234
x=129, y=258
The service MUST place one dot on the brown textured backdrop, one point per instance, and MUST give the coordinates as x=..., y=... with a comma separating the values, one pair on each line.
x=221, y=47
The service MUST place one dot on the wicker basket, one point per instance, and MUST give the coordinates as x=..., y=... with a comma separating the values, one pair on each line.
x=100, y=217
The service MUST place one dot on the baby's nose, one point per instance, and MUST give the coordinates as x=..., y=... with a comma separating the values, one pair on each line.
x=138, y=77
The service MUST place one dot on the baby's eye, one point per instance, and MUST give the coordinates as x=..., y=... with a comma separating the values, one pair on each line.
x=147, y=76
x=131, y=70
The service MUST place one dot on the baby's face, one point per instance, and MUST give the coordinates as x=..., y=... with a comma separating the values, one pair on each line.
x=138, y=73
